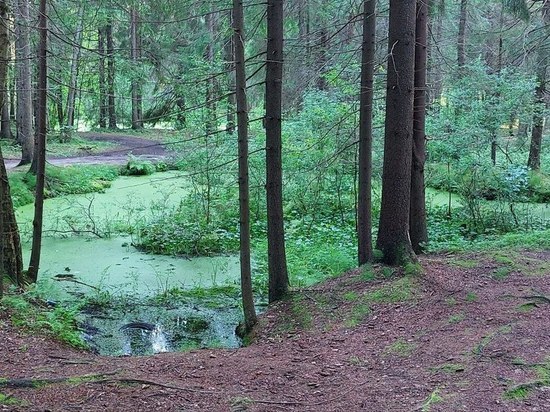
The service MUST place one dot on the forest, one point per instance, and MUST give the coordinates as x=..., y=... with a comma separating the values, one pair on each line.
x=284, y=205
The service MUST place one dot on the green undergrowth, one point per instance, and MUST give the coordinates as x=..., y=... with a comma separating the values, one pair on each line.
x=523, y=390
x=62, y=181
x=58, y=322
x=354, y=299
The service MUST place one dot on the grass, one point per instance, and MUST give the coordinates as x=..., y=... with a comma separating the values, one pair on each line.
x=399, y=290
x=357, y=315
x=62, y=181
x=465, y=263
x=471, y=297
x=459, y=317
x=8, y=400
x=59, y=322
x=434, y=398
x=502, y=272
x=400, y=348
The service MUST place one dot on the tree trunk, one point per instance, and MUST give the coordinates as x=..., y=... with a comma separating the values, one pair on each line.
x=364, y=201
x=229, y=53
x=543, y=57
x=103, y=106
x=278, y=275
x=25, y=135
x=435, y=63
x=322, y=60
x=137, y=122
x=10, y=245
x=417, y=219
x=210, y=104
x=111, y=108
x=5, y=128
x=41, y=144
x=244, y=195
x=75, y=60
x=393, y=231
x=461, y=40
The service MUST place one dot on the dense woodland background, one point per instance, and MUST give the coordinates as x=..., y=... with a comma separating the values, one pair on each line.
x=166, y=68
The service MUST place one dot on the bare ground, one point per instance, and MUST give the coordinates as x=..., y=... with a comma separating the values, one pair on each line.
x=472, y=333
x=146, y=149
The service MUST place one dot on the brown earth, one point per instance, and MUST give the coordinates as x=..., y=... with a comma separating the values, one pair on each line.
x=146, y=149
x=471, y=333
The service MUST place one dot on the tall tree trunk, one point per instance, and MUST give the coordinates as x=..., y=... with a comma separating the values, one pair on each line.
x=75, y=60
x=34, y=263
x=278, y=274
x=137, y=122
x=417, y=219
x=210, y=104
x=229, y=53
x=435, y=74
x=461, y=40
x=111, y=107
x=393, y=230
x=25, y=135
x=543, y=58
x=103, y=106
x=322, y=60
x=364, y=201
x=244, y=195
x=5, y=127
x=10, y=245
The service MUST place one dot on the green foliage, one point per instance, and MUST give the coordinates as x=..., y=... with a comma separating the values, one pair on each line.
x=435, y=397
x=59, y=322
x=138, y=167
x=62, y=181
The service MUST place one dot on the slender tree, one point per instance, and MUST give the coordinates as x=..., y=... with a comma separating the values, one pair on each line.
x=25, y=134
x=102, y=80
x=461, y=39
x=417, y=219
x=135, y=52
x=75, y=61
x=278, y=274
x=393, y=230
x=364, y=201
x=11, y=262
x=41, y=143
x=5, y=123
x=543, y=60
x=244, y=197
x=111, y=107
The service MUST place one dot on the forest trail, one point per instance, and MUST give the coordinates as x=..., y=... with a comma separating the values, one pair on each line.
x=146, y=149
x=469, y=334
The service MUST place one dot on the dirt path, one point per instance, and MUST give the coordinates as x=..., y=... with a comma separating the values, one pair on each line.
x=470, y=334
x=144, y=148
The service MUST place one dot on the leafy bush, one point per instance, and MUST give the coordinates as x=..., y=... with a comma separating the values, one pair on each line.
x=138, y=167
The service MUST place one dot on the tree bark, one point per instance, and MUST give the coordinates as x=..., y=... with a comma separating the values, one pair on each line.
x=278, y=274
x=543, y=58
x=393, y=230
x=111, y=107
x=244, y=195
x=137, y=122
x=103, y=106
x=461, y=40
x=364, y=201
x=417, y=219
x=229, y=52
x=34, y=263
x=75, y=60
x=25, y=134
x=5, y=128
x=11, y=262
